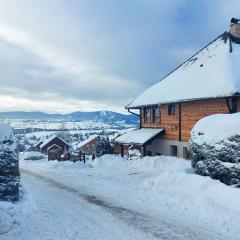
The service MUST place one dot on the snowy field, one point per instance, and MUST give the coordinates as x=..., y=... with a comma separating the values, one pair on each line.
x=149, y=198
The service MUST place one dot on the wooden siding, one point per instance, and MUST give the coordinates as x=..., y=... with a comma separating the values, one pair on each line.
x=90, y=147
x=191, y=112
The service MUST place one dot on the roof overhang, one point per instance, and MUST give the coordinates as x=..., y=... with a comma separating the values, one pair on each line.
x=140, y=136
x=182, y=101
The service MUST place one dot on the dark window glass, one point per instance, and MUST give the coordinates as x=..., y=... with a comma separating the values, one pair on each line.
x=171, y=109
x=156, y=114
x=186, y=153
x=173, y=150
x=234, y=105
x=147, y=115
x=149, y=153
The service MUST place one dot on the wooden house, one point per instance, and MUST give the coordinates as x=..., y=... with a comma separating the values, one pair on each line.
x=207, y=83
x=36, y=146
x=88, y=146
x=54, y=143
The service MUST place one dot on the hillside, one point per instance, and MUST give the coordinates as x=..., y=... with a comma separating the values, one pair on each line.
x=104, y=116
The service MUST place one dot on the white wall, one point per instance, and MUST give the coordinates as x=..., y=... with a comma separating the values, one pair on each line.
x=162, y=146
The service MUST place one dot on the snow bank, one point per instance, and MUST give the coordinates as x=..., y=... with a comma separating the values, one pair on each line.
x=17, y=214
x=33, y=156
x=214, y=128
x=159, y=186
x=146, y=164
x=198, y=198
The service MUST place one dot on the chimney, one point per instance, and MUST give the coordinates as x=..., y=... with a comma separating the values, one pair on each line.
x=235, y=29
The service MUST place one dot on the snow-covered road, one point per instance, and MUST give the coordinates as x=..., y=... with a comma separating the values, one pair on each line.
x=66, y=212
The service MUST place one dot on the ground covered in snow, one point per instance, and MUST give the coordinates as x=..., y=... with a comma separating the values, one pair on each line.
x=149, y=198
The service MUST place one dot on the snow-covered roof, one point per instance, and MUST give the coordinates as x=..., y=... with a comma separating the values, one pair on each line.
x=139, y=136
x=50, y=139
x=212, y=72
x=37, y=143
x=86, y=141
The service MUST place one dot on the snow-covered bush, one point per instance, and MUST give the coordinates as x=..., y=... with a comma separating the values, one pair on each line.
x=9, y=167
x=215, y=140
x=33, y=156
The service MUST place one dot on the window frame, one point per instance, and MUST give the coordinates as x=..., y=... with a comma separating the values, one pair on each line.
x=171, y=109
x=156, y=118
x=147, y=119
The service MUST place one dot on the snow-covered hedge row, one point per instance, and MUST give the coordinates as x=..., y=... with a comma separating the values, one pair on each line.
x=9, y=167
x=215, y=140
x=33, y=156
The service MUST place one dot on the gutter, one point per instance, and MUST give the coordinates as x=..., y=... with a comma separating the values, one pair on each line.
x=133, y=112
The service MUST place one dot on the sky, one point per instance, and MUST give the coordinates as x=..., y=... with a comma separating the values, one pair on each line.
x=74, y=55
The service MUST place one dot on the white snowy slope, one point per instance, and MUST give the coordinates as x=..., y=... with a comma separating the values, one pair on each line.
x=215, y=128
x=154, y=197
x=213, y=72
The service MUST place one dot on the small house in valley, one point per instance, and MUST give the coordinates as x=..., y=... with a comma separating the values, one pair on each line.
x=207, y=83
x=54, y=144
x=36, y=146
x=88, y=146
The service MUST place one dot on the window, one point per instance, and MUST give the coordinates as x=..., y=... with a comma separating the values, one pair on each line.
x=171, y=109
x=156, y=114
x=173, y=150
x=147, y=115
x=149, y=153
x=186, y=153
x=234, y=105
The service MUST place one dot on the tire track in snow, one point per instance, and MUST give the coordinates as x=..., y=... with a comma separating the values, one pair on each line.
x=143, y=222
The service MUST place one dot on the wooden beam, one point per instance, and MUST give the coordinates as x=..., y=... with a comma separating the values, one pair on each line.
x=180, y=122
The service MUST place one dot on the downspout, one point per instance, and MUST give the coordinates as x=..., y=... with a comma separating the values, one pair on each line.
x=133, y=112
x=139, y=115
x=180, y=122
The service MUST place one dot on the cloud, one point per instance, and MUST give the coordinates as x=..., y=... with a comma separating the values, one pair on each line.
x=91, y=54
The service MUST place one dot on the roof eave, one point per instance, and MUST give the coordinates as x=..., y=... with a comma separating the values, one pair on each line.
x=182, y=100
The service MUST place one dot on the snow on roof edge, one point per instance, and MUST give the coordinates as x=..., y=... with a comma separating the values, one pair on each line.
x=144, y=134
x=182, y=100
x=224, y=37
x=50, y=139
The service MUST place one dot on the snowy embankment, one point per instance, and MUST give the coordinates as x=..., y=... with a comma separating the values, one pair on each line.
x=159, y=186
x=15, y=215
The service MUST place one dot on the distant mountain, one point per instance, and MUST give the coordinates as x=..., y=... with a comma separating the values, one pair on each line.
x=104, y=116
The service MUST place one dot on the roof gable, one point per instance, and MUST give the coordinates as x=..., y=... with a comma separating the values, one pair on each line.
x=212, y=72
x=51, y=139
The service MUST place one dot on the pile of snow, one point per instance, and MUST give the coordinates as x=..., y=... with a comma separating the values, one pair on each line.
x=215, y=140
x=14, y=216
x=134, y=154
x=160, y=186
x=146, y=164
x=33, y=156
x=212, y=129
